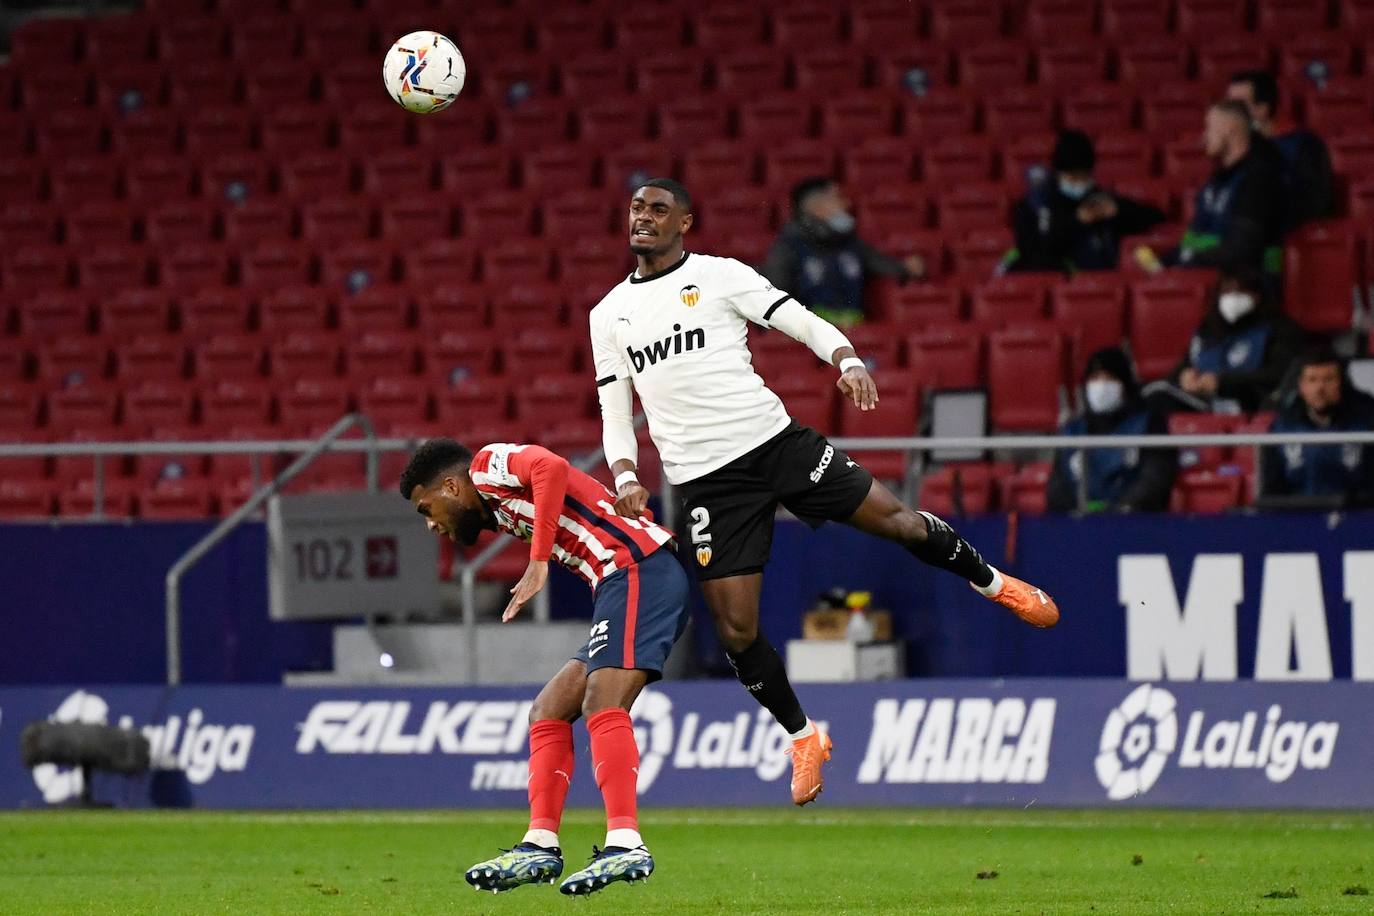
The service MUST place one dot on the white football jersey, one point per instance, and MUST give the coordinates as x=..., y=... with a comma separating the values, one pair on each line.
x=681, y=337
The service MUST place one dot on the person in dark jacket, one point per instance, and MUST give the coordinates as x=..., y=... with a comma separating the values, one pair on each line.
x=1238, y=216
x=1119, y=480
x=1325, y=401
x=1303, y=157
x=820, y=259
x=1068, y=222
x=1239, y=354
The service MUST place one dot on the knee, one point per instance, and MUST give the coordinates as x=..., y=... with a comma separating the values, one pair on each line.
x=736, y=635
x=543, y=709
x=904, y=525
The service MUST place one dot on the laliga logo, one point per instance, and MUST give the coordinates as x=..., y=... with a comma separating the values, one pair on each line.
x=654, y=736
x=1142, y=733
x=1137, y=739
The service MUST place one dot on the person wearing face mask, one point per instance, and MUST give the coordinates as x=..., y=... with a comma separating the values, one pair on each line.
x=1118, y=480
x=1239, y=214
x=1238, y=355
x=1324, y=401
x=1068, y=222
x=819, y=257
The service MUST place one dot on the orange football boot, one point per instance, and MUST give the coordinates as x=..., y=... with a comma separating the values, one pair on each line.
x=1026, y=601
x=808, y=754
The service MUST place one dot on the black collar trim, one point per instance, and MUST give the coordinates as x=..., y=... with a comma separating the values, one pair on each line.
x=662, y=273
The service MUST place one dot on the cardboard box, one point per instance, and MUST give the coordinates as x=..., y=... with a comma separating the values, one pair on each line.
x=831, y=624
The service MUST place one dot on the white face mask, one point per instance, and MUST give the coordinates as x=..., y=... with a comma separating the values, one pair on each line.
x=841, y=222
x=1104, y=394
x=1235, y=306
x=1074, y=190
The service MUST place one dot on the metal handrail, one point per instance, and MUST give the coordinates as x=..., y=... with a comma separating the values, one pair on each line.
x=232, y=521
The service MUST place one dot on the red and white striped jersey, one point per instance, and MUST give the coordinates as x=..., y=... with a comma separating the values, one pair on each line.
x=588, y=537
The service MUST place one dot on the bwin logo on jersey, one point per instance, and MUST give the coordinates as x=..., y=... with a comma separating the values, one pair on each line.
x=679, y=342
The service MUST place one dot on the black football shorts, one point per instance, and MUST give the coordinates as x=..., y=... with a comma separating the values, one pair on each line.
x=728, y=513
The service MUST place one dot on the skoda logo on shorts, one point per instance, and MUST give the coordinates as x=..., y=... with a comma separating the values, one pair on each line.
x=690, y=295
x=1137, y=739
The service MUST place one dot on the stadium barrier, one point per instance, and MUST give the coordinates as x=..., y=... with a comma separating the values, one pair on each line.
x=1019, y=743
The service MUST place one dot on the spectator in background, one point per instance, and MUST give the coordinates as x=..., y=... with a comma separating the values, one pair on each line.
x=1325, y=402
x=1238, y=214
x=1303, y=159
x=1238, y=355
x=1069, y=223
x=820, y=260
x=1120, y=479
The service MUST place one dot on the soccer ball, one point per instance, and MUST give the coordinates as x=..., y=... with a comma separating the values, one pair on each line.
x=424, y=72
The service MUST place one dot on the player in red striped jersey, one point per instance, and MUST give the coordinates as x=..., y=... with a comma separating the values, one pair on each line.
x=640, y=609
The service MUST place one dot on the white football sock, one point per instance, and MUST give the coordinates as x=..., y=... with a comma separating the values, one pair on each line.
x=807, y=731
x=624, y=836
x=993, y=588
x=545, y=838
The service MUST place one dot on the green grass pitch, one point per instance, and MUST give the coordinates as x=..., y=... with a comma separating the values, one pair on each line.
x=819, y=860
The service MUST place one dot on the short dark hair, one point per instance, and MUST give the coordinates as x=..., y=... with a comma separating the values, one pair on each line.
x=673, y=187
x=1319, y=355
x=1262, y=84
x=430, y=460
x=1233, y=108
x=1073, y=152
x=808, y=186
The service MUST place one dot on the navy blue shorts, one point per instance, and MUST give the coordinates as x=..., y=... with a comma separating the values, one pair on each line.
x=638, y=613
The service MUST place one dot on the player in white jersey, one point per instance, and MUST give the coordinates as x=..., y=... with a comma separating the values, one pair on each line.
x=675, y=332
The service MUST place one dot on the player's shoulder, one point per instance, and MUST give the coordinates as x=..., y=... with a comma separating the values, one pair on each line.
x=491, y=464
x=611, y=301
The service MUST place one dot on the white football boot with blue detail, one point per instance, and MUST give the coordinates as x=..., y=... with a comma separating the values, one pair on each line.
x=525, y=864
x=614, y=863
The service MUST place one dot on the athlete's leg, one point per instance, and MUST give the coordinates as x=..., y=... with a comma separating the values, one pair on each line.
x=734, y=604
x=551, y=750
x=932, y=540
x=615, y=756
x=538, y=859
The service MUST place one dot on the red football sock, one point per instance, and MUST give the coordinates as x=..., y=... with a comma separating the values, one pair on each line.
x=551, y=769
x=616, y=758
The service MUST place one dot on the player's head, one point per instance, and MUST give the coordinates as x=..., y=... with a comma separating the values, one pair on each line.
x=1109, y=381
x=1226, y=131
x=1073, y=159
x=437, y=484
x=1240, y=291
x=660, y=214
x=1258, y=91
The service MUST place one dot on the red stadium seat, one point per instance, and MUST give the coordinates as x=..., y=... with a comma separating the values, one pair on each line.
x=272, y=265
x=879, y=344
x=35, y=267
x=952, y=161
x=959, y=22
x=398, y=173
x=1016, y=298
x=144, y=133
x=972, y=207
x=1295, y=54
x=293, y=308
x=502, y=215
x=939, y=114
x=179, y=222
x=1100, y=109
x=1025, y=374
x=806, y=27
x=576, y=215
x=822, y=70
x=376, y=353
x=21, y=181
x=1333, y=108
x=796, y=160
x=26, y=498
x=229, y=357
x=895, y=208
x=1025, y=491
x=62, y=133
x=313, y=404
x=612, y=121
x=527, y=305
x=336, y=221
x=946, y=357
x=235, y=176
x=774, y=118
x=23, y=224
x=116, y=499
x=570, y=31
x=1284, y=19
x=1207, y=457
x=729, y=27
x=99, y=223
x=438, y=262
x=213, y=311
x=53, y=314
x=257, y=220
x=233, y=403
x=534, y=123
x=80, y=178
x=190, y=267
x=379, y=307
x=1151, y=59
x=897, y=414
x=978, y=253
x=1206, y=493
x=1014, y=111
x=914, y=306
x=114, y=39
x=747, y=74
x=516, y=261
x=1206, y=19
x=1130, y=19
x=742, y=210
x=356, y=265
x=149, y=357
x=1092, y=310
x=877, y=163
x=112, y=267
x=475, y=171
x=20, y=403
x=157, y=405
x=457, y=354
x=1165, y=311
x=991, y=65
x=670, y=76
x=1320, y=276
x=419, y=217
x=363, y=128
x=718, y=164
x=176, y=500
x=473, y=401
x=692, y=120
x=395, y=402
x=881, y=25
x=214, y=131
x=595, y=76
x=551, y=171
x=551, y=350
x=1221, y=56
x=81, y=409
x=1071, y=66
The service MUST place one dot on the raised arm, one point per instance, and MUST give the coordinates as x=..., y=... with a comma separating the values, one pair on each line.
x=615, y=392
